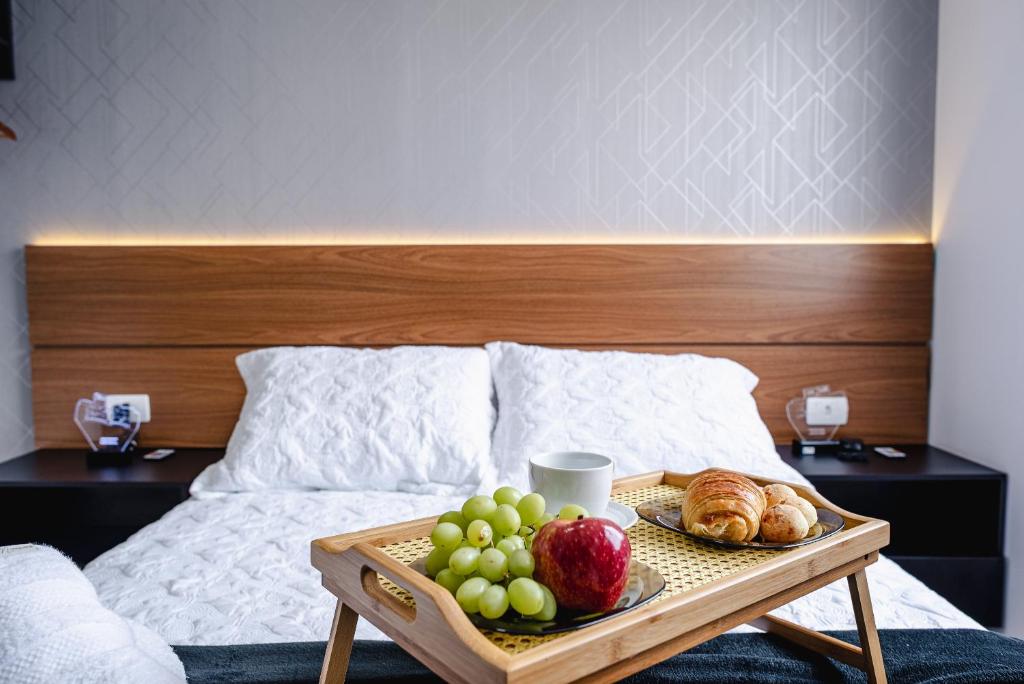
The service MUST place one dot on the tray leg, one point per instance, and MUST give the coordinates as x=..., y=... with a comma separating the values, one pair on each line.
x=873, y=664
x=867, y=658
x=339, y=646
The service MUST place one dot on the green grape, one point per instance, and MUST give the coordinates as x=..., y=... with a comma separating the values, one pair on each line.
x=469, y=593
x=550, y=606
x=479, y=533
x=507, y=495
x=480, y=507
x=449, y=580
x=530, y=508
x=521, y=564
x=528, y=542
x=517, y=540
x=454, y=517
x=525, y=531
x=464, y=561
x=494, y=602
x=446, y=536
x=506, y=546
x=544, y=520
x=493, y=565
x=525, y=595
x=505, y=520
x=437, y=560
x=509, y=545
x=572, y=512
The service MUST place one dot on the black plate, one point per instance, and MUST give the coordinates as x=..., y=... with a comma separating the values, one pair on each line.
x=643, y=585
x=666, y=513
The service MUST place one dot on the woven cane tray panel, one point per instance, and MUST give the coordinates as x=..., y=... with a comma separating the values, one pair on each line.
x=686, y=564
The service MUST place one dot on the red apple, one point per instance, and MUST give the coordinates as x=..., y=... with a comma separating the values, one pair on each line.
x=585, y=562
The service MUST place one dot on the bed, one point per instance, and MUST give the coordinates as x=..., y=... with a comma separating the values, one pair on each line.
x=235, y=570
x=230, y=568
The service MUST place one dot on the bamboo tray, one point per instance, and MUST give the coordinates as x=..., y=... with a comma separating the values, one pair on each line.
x=709, y=590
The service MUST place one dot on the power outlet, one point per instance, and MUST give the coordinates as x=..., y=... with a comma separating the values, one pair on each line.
x=827, y=410
x=139, y=402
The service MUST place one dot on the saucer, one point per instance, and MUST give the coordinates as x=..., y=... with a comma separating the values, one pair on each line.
x=620, y=514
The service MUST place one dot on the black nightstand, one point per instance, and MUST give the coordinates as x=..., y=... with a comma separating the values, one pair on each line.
x=947, y=516
x=51, y=496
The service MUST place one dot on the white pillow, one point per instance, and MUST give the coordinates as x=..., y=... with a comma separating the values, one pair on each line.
x=54, y=629
x=647, y=411
x=414, y=419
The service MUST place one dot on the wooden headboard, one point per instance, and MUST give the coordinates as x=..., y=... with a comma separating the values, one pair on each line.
x=170, y=320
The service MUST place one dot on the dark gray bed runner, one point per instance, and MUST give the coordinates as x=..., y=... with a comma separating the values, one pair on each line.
x=911, y=655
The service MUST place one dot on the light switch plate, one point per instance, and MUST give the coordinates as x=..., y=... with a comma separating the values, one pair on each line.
x=140, y=402
x=827, y=410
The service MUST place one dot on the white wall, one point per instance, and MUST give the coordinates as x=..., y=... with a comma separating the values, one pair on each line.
x=393, y=120
x=977, y=390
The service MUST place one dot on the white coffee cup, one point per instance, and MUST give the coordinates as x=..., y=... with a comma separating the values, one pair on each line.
x=573, y=477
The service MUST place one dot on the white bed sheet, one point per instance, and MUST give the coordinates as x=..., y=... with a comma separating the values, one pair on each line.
x=235, y=570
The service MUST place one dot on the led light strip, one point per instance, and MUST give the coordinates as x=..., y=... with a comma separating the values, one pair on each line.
x=313, y=239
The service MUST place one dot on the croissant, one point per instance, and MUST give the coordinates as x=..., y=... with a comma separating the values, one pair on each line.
x=724, y=505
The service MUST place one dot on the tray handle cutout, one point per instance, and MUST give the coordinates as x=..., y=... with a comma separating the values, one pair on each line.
x=370, y=580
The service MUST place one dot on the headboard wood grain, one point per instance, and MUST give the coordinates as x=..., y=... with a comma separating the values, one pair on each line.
x=170, y=320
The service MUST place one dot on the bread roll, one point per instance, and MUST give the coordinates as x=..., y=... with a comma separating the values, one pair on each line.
x=778, y=493
x=723, y=505
x=783, y=523
x=807, y=508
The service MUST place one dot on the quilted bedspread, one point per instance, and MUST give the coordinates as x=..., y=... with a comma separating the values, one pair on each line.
x=235, y=570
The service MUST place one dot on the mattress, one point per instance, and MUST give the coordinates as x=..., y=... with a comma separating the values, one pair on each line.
x=235, y=570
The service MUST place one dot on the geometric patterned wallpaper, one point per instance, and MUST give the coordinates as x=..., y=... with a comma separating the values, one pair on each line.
x=391, y=120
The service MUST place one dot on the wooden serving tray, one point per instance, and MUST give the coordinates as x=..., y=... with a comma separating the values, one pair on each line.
x=709, y=590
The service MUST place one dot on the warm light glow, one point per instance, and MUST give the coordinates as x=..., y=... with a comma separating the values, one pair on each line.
x=316, y=239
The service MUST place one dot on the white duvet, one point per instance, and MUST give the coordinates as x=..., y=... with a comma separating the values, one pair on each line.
x=235, y=570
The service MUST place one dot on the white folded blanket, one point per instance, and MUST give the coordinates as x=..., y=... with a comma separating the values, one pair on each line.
x=54, y=629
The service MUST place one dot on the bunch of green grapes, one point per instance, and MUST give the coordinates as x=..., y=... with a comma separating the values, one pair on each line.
x=482, y=554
